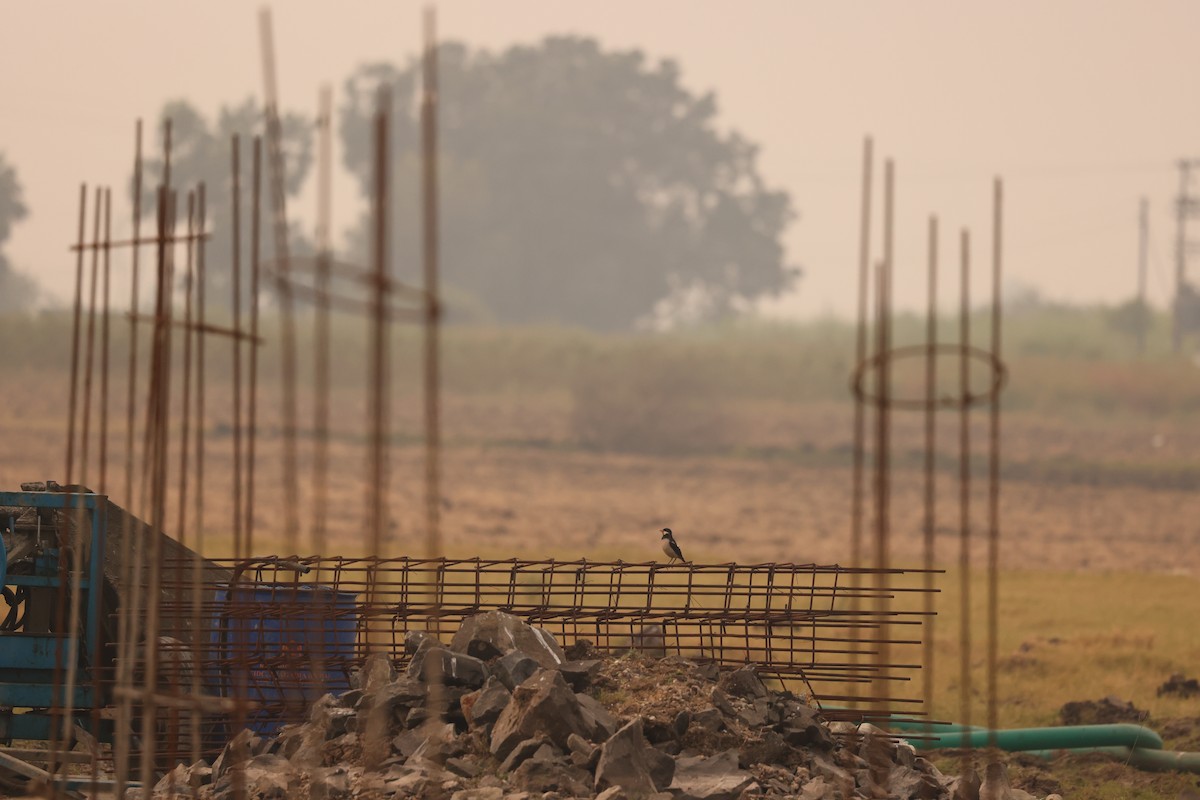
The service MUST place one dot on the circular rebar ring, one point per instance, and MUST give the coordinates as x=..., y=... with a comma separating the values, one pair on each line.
x=998, y=369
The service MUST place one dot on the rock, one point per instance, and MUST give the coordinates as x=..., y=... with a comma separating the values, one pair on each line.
x=716, y=778
x=453, y=669
x=183, y=779
x=681, y=723
x=768, y=748
x=611, y=793
x=269, y=777
x=332, y=783
x=995, y=784
x=463, y=767
x=439, y=743
x=514, y=668
x=658, y=731
x=913, y=785
x=409, y=784
x=584, y=754
x=494, y=633
x=414, y=640
x=550, y=776
x=878, y=750
x=624, y=763
x=721, y=702
x=542, y=705
x=755, y=715
x=580, y=674
x=802, y=728
x=662, y=768
x=599, y=722
x=745, y=683
x=524, y=750
x=407, y=742
x=710, y=719
x=965, y=786
x=376, y=671
x=480, y=793
x=841, y=780
x=818, y=789
x=485, y=708
x=581, y=649
x=237, y=751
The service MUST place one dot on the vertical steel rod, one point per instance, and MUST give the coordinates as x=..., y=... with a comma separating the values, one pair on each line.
x=994, y=469
x=377, y=412
x=321, y=343
x=964, y=500
x=129, y=553
x=883, y=415
x=283, y=285
x=102, y=486
x=255, y=281
x=860, y=351
x=181, y=530
x=432, y=383
x=236, y=262
x=930, y=459
x=198, y=552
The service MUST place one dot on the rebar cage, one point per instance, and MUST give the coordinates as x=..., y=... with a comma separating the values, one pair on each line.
x=283, y=631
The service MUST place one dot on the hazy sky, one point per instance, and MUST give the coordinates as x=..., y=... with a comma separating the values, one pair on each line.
x=1083, y=107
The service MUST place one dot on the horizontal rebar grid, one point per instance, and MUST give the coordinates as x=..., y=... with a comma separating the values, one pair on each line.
x=278, y=637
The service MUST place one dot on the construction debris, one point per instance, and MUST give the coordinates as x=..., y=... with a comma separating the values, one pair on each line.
x=628, y=726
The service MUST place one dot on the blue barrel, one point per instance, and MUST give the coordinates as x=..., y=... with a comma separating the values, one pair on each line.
x=282, y=646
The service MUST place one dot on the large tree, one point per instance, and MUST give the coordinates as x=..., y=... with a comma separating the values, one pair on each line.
x=201, y=152
x=17, y=291
x=579, y=186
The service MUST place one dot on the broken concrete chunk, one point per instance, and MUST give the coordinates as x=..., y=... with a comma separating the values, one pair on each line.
x=376, y=671
x=624, y=762
x=745, y=683
x=494, y=633
x=580, y=674
x=514, y=668
x=542, y=705
x=716, y=778
x=485, y=707
x=601, y=723
x=452, y=669
x=521, y=752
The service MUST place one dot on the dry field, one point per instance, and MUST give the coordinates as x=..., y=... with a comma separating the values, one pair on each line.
x=517, y=483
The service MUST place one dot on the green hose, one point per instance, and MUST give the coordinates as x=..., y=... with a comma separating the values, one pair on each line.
x=1140, y=757
x=1133, y=744
x=1062, y=738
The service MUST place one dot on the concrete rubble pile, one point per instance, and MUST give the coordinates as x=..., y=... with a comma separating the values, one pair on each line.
x=514, y=717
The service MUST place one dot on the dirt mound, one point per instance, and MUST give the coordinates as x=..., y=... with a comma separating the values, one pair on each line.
x=1101, y=712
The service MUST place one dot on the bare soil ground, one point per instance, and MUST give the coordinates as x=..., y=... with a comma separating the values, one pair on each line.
x=514, y=484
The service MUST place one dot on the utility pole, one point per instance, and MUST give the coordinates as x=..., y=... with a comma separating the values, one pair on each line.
x=1185, y=206
x=1143, y=318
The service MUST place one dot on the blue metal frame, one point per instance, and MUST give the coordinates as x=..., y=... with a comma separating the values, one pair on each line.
x=28, y=660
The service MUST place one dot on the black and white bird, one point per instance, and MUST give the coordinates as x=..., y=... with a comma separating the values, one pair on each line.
x=669, y=545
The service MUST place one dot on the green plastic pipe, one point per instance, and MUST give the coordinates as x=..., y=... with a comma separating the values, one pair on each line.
x=1060, y=738
x=1140, y=757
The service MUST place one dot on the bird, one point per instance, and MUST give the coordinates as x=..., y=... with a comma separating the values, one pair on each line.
x=669, y=545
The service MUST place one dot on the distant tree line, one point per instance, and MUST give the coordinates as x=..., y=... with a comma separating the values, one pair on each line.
x=579, y=186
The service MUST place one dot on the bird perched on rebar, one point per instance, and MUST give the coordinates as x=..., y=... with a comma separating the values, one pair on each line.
x=670, y=546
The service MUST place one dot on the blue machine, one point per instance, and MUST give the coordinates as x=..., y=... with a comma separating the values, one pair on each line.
x=32, y=646
x=279, y=644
